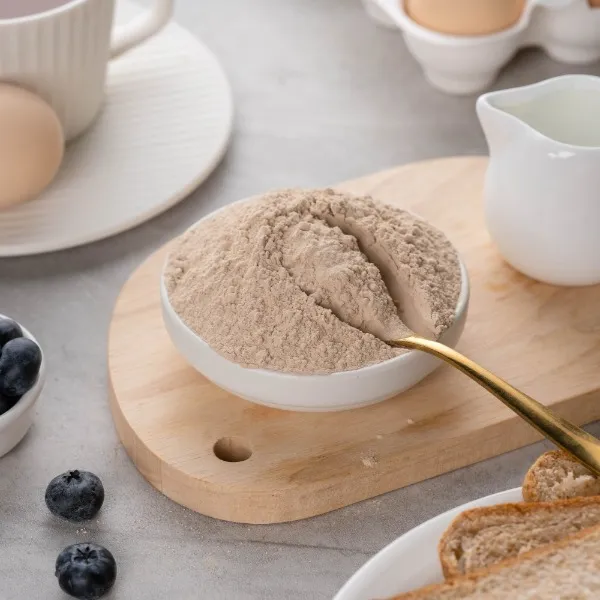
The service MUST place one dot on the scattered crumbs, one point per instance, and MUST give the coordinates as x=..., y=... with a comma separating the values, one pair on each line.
x=209, y=561
x=369, y=461
x=82, y=531
x=410, y=421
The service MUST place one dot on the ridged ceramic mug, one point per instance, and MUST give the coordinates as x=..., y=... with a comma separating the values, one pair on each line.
x=62, y=54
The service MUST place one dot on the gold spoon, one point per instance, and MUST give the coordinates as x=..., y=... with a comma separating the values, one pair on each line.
x=583, y=446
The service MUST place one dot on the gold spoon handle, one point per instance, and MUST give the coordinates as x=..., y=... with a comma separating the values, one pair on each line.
x=583, y=446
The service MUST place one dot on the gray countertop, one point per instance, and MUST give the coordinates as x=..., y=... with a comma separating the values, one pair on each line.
x=322, y=95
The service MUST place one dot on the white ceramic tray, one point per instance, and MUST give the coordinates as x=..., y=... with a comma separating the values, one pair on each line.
x=411, y=561
x=165, y=126
x=568, y=30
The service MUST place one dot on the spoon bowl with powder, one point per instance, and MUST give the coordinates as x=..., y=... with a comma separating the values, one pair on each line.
x=285, y=299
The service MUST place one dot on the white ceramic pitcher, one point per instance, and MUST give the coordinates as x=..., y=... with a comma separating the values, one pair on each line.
x=542, y=188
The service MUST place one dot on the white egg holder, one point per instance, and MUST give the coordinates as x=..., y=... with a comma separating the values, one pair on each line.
x=567, y=30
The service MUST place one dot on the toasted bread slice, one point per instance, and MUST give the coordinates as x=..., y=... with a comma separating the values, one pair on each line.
x=483, y=536
x=557, y=476
x=567, y=569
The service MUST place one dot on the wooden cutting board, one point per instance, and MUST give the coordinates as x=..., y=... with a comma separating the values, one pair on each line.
x=233, y=460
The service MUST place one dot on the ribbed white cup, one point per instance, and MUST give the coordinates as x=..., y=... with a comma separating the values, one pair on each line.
x=62, y=54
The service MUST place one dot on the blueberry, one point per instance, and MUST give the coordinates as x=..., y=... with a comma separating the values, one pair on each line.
x=20, y=363
x=9, y=330
x=6, y=403
x=87, y=571
x=75, y=496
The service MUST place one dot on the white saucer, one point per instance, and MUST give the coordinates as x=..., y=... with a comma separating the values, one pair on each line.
x=411, y=561
x=165, y=126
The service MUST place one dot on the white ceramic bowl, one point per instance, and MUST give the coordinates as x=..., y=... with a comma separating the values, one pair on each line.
x=15, y=423
x=314, y=393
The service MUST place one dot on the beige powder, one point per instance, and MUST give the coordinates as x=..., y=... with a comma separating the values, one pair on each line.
x=312, y=281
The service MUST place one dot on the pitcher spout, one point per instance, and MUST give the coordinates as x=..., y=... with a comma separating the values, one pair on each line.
x=499, y=127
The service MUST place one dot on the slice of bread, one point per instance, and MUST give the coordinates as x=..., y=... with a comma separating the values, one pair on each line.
x=481, y=537
x=557, y=476
x=569, y=569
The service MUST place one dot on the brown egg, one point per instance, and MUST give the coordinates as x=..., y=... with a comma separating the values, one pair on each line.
x=31, y=145
x=465, y=17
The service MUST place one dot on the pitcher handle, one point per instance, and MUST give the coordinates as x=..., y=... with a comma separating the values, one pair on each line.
x=140, y=29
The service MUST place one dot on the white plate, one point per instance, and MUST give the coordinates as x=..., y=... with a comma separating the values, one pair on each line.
x=411, y=561
x=164, y=127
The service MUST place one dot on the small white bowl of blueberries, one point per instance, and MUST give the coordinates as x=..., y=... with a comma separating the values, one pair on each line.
x=85, y=571
x=22, y=377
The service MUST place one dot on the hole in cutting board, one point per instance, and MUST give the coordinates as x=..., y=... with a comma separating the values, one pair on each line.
x=230, y=449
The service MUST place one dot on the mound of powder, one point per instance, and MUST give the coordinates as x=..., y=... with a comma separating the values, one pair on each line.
x=312, y=281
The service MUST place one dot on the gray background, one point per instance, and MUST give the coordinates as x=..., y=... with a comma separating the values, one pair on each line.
x=322, y=95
